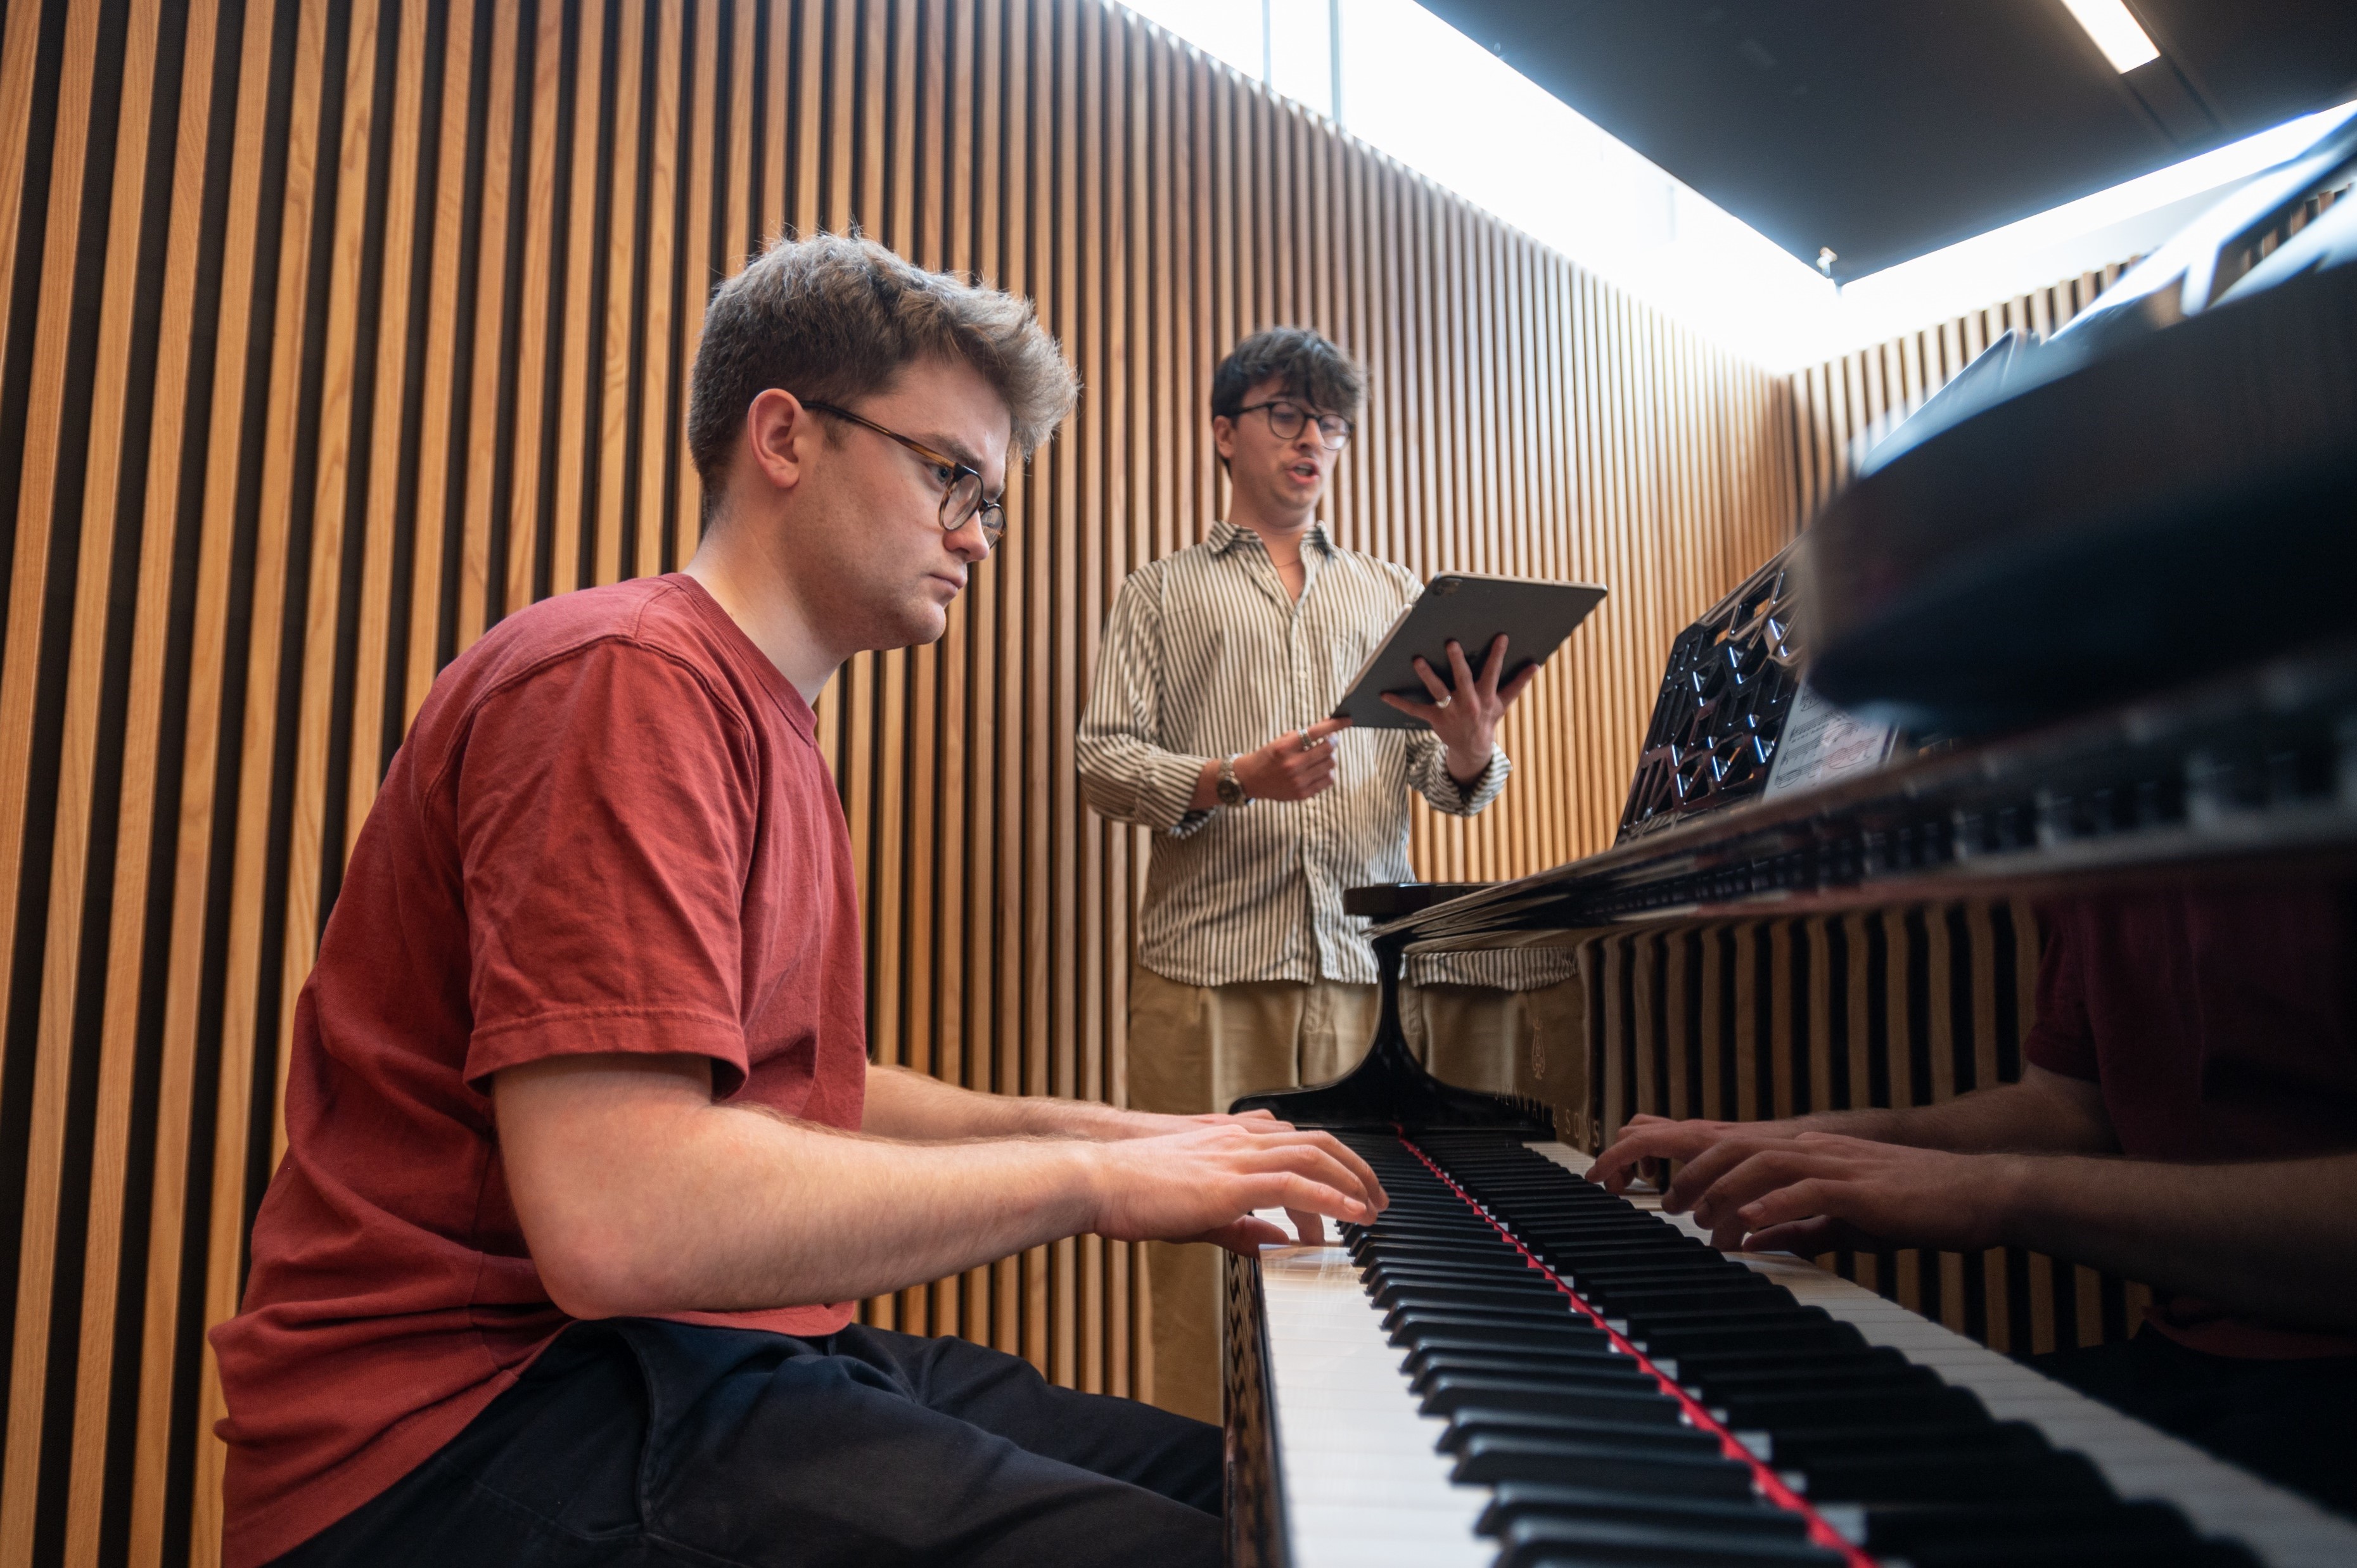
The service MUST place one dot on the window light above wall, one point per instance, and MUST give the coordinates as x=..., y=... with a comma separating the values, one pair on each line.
x=1413, y=87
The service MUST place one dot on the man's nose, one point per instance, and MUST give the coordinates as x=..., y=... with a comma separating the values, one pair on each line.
x=967, y=542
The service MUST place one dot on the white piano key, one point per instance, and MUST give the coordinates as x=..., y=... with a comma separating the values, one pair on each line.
x=1365, y=1484
x=2284, y=1528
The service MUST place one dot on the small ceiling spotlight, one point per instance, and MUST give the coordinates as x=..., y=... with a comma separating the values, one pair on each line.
x=1825, y=260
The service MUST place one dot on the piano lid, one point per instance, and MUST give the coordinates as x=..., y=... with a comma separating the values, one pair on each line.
x=2162, y=492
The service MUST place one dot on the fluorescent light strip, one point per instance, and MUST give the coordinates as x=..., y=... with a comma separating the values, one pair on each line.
x=2115, y=32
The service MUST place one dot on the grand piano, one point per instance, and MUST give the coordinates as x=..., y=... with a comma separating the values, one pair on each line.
x=2099, y=585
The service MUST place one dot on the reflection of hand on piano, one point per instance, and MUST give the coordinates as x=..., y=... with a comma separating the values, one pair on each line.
x=1202, y=1184
x=1821, y=1190
x=1778, y=1187
x=1650, y=1144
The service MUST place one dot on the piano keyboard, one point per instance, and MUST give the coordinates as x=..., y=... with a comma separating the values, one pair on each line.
x=1513, y=1367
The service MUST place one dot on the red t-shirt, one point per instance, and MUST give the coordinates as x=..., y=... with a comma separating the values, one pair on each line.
x=609, y=830
x=2221, y=1025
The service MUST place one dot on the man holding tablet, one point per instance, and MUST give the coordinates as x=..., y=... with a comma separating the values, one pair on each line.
x=1208, y=724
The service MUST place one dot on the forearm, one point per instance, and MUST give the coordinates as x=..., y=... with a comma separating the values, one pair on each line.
x=2277, y=1241
x=918, y=1109
x=2044, y=1114
x=709, y=1208
x=637, y=1193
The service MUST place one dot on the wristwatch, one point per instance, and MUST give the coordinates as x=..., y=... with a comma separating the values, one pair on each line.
x=1230, y=788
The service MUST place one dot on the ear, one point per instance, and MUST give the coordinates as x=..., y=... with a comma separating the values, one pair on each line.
x=1223, y=434
x=777, y=428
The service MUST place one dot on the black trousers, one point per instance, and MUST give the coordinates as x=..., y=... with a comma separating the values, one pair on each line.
x=2287, y=1420
x=639, y=1441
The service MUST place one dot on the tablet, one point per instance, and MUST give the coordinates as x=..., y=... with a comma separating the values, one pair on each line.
x=1534, y=614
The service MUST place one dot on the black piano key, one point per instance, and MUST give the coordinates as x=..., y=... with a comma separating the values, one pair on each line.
x=1659, y=1297
x=1537, y=1376
x=1548, y=1325
x=1751, y=1515
x=1570, y=1256
x=1906, y=1405
x=1498, y=1329
x=1595, y=1543
x=1701, y=1277
x=1426, y=1254
x=1549, y=1305
x=1888, y=1478
x=1811, y=1448
x=1698, y=1263
x=1769, y=1369
x=1621, y=1225
x=1462, y=1354
x=1449, y=1392
x=1904, y=1531
x=1674, y=1303
x=1704, y=1314
x=1472, y=1421
x=1697, y=1267
x=1436, y=1229
x=1775, y=1340
x=1519, y=1288
x=1490, y=1460
x=1877, y=1366
x=1594, y=1364
x=1521, y=1340
x=1524, y=1282
x=1539, y=1213
x=1448, y=1321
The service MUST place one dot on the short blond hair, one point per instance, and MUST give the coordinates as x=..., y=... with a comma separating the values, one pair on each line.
x=835, y=317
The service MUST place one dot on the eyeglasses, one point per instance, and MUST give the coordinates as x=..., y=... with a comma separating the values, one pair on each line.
x=960, y=483
x=1285, y=419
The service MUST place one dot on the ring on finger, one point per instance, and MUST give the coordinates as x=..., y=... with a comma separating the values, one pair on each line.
x=1442, y=701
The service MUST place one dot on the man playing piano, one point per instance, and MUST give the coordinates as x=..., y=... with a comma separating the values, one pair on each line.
x=1208, y=724
x=586, y=1161
x=2187, y=1117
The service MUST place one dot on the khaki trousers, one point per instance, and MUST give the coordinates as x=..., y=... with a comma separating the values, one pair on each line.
x=1200, y=1048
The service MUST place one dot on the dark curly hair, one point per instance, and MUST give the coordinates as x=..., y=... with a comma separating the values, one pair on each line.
x=1313, y=369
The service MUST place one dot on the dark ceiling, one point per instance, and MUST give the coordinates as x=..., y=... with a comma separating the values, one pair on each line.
x=1882, y=129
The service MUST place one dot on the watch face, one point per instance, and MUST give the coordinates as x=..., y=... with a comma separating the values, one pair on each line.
x=1229, y=792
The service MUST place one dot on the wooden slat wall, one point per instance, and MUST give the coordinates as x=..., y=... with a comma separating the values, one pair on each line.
x=331, y=333
x=1743, y=1020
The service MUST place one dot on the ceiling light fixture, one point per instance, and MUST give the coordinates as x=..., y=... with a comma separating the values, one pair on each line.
x=2115, y=32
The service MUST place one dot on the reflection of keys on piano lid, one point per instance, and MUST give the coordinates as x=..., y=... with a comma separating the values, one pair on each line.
x=1589, y=1463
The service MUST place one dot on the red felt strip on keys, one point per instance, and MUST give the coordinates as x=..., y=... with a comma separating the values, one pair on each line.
x=1770, y=1484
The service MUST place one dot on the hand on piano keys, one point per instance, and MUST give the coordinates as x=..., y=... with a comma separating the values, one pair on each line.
x=1203, y=1183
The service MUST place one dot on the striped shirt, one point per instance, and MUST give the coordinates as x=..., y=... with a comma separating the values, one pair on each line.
x=1206, y=656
